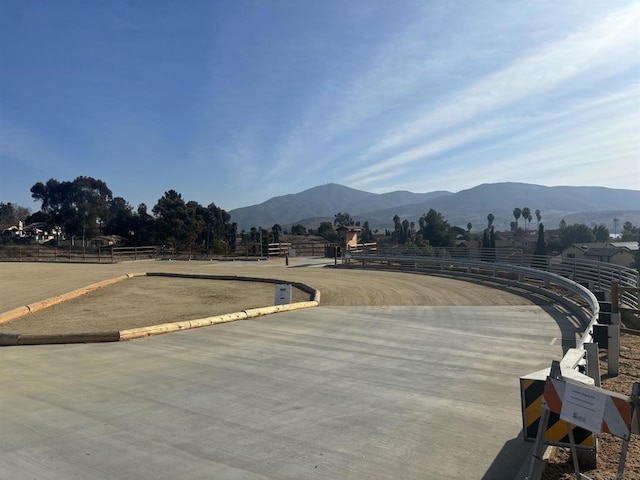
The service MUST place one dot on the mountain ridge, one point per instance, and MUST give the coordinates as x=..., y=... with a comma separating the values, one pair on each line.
x=472, y=205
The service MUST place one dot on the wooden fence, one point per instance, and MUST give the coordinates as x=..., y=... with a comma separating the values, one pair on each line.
x=35, y=253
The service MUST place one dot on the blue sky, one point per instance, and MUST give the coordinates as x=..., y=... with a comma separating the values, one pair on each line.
x=234, y=102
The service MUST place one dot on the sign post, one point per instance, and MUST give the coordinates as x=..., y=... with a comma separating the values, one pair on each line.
x=283, y=294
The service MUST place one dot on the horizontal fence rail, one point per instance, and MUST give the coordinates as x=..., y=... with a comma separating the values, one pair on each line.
x=495, y=270
x=596, y=276
x=34, y=253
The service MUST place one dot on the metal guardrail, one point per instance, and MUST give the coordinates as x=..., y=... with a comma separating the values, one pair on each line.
x=511, y=272
x=597, y=276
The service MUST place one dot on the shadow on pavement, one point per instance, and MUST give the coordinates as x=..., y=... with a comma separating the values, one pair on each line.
x=513, y=455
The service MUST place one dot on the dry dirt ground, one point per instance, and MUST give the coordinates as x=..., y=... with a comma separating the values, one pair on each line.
x=147, y=301
x=144, y=301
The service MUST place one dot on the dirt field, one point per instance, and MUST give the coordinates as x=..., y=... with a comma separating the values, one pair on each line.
x=147, y=301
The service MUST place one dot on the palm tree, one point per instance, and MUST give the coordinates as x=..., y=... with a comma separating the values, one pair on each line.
x=469, y=227
x=526, y=215
x=516, y=214
x=490, y=219
x=538, y=216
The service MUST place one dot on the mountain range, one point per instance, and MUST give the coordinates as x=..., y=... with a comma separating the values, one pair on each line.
x=589, y=205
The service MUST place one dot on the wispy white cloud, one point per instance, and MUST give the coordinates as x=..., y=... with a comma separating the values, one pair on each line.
x=601, y=51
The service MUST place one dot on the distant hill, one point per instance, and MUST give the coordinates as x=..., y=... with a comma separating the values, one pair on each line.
x=322, y=203
x=589, y=205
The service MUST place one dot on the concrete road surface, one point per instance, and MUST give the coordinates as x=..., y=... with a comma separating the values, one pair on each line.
x=335, y=392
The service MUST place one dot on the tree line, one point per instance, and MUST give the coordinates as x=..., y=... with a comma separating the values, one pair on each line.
x=86, y=208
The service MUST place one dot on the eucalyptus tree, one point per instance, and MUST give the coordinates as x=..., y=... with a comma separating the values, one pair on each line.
x=75, y=206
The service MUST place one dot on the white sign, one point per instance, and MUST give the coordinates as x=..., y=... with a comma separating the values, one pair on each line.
x=583, y=407
x=283, y=294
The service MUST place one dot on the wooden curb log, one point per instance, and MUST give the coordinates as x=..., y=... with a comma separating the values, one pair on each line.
x=49, y=302
x=7, y=339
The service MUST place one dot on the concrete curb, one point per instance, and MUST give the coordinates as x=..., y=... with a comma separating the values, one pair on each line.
x=7, y=339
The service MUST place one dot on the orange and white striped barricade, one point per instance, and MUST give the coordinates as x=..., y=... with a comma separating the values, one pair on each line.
x=594, y=409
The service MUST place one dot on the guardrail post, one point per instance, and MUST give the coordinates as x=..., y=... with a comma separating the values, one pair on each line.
x=613, y=351
x=615, y=299
x=593, y=363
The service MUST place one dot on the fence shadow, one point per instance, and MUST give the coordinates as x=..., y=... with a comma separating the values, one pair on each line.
x=511, y=458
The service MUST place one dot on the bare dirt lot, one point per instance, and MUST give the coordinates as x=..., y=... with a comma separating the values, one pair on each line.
x=145, y=301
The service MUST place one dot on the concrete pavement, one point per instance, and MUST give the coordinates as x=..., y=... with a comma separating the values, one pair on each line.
x=328, y=393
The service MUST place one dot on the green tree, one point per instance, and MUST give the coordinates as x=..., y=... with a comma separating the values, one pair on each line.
x=144, y=231
x=490, y=219
x=435, y=229
x=405, y=232
x=343, y=220
x=75, y=206
x=469, y=226
x=629, y=232
x=120, y=219
x=298, y=229
x=177, y=221
x=326, y=231
x=397, y=228
x=540, y=253
x=576, y=233
x=367, y=234
x=601, y=233
x=526, y=215
x=563, y=224
x=484, y=252
x=276, y=230
x=517, y=212
x=541, y=247
x=492, y=245
x=12, y=213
